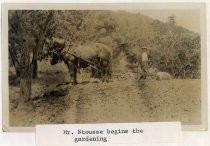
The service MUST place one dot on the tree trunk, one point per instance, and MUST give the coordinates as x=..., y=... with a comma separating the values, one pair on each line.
x=25, y=88
x=25, y=76
x=15, y=62
x=34, y=69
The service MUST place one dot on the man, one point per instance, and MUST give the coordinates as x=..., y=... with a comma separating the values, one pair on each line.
x=144, y=63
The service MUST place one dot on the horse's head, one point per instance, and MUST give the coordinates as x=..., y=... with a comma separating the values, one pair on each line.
x=55, y=58
x=50, y=50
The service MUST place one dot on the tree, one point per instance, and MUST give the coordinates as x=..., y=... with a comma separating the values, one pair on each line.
x=20, y=50
x=36, y=25
x=25, y=40
x=14, y=50
x=40, y=40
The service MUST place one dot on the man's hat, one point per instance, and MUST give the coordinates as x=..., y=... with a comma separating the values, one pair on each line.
x=144, y=48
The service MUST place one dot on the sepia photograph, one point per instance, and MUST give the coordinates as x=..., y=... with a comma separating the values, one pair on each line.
x=104, y=66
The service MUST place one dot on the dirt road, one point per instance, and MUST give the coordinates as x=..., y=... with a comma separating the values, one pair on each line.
x=123, y=99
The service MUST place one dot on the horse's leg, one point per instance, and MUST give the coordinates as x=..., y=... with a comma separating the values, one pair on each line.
x=69, y=69
x=93, y=73
x=72, y=73
x=108, y=70
x=101, y=72
x=105, y=70
x=105, y=75
x=75, y=75
x=110, y=67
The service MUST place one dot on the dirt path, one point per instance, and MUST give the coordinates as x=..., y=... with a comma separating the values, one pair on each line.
x=131, y=101
x=117, y=101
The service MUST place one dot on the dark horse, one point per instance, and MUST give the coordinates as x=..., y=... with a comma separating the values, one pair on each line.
x=97, y=55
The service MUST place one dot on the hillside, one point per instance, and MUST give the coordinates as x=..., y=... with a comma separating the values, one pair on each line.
x=169, y=44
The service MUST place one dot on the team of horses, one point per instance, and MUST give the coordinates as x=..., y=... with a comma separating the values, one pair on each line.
x=98, y=56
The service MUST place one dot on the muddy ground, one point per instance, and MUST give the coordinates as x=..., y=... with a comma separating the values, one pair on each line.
x=123, y=99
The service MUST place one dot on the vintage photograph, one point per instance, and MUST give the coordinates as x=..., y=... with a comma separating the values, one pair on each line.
x=104, y=66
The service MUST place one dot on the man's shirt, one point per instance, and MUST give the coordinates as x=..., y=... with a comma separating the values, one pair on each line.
x=144, y=56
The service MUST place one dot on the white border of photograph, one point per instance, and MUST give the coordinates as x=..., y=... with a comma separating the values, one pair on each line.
x=103, y=6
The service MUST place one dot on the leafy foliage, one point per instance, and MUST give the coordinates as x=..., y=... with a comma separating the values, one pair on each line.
x=173, y=48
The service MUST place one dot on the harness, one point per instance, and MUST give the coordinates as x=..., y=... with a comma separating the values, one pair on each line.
x=79, y=59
